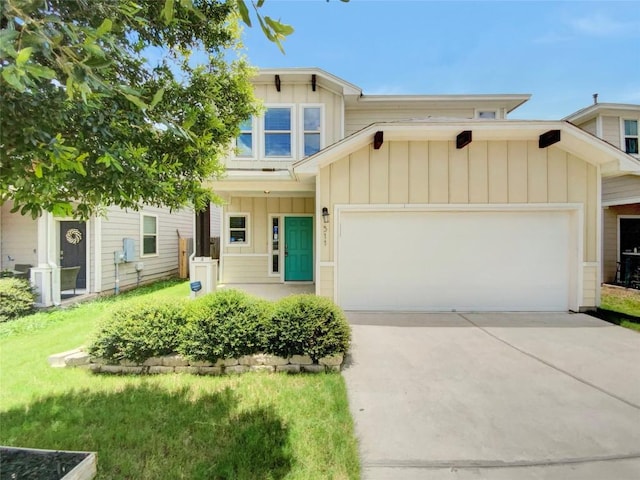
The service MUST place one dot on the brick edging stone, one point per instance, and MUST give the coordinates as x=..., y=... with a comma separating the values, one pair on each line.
x=178, y=364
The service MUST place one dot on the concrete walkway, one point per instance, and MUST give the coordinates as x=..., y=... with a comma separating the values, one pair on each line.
x=499, y=396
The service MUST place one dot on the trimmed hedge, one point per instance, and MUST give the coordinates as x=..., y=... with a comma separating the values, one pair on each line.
x=308, y=325
x=140, y=330
x=225, y=324
x=16, y=298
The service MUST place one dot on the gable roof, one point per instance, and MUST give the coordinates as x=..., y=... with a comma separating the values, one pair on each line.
x=574, y=140
x=592, y=111
x=357, y=99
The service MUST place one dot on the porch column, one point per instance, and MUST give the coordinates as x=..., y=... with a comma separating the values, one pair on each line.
x=46, y=275
x=203, y=270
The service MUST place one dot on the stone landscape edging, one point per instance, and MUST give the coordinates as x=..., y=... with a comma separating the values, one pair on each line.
x=178, y=364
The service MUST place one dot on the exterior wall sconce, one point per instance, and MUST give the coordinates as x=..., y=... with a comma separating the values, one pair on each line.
x=325, y=214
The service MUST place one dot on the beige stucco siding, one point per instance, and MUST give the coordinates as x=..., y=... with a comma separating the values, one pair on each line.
x=623, y=189
x=435, y=172
x=610, y=237
x=121, y=224
x=18, y=238
x=250, y=263
x=356, y=119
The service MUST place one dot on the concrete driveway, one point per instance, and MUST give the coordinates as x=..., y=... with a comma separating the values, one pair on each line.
x=499, y=396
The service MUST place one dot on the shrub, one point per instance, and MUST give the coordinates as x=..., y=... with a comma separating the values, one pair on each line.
x=140, y=330
x=16, y=298
x=308, y=325
x=225, y=324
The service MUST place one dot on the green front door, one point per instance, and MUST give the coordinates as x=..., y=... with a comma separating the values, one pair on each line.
x=298, y=250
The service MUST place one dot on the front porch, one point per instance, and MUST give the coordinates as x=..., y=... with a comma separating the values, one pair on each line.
x=271, y=291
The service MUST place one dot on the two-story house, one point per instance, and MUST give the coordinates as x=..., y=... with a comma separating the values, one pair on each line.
x=617, y=124
x=414, y=202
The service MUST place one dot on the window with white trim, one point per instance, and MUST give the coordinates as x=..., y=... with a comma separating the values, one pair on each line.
x=274, y=241
x=149, y=235
x=277, y=132
x=238, y=229
x=244, y=142
x=487, y=114
x=631, y=136
x=311, y=130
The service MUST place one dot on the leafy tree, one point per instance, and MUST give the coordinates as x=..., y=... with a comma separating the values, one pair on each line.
x=88, y=119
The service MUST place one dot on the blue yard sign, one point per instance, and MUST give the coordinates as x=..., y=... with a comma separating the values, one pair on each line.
x=196, y=286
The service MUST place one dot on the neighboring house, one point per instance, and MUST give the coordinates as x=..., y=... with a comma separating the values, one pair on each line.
x=120, y=250
x=617, y=124
x=414, y=202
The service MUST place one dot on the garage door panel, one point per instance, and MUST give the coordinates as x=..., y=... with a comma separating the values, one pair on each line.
x=461, y=261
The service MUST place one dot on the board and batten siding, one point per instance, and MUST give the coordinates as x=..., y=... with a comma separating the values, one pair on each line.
x=356, y=119
x=250, y=264
x=486, y=172
x=18, y=238
x=120, y=224
x=622, y=189
x=610, y=237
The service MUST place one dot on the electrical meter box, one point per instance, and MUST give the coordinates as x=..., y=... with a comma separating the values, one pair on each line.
x=129, y=249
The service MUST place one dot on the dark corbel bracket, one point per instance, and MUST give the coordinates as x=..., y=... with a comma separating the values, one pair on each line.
x=549, y=138
x=378, y=140
x=463, y=139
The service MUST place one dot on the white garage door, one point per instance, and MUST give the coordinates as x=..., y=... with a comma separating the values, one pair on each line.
x=464, y=261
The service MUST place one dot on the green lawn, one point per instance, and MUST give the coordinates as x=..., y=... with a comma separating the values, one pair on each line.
x=251, y=426
x=622, y=300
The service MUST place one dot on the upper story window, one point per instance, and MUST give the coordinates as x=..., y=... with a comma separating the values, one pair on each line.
x=244, y=142
x=631, y=136
x=487, y=114
x=285, y=133
x=312, y=123
x=277, y=132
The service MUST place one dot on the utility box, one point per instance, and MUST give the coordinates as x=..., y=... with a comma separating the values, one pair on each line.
x=129, y=249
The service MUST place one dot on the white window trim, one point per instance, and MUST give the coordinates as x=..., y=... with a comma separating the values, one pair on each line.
x=254, y=140
x=227, y=229
x=301, y=130
x=142, y=235
x=262, y=132
x=270, y=272
x=477, y=111
x=623, y=136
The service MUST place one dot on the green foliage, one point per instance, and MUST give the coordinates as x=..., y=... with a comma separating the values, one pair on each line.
x=102, y=97
x=308, y=325
x=139, y=330
x=226, y=324
x=16, y=298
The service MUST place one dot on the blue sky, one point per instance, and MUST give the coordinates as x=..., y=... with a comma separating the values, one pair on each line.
x=560, y=52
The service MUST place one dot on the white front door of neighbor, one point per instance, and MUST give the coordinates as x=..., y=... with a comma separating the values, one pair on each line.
x=456, y=260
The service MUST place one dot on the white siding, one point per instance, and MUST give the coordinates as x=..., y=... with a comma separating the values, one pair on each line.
x=611, y=130
x=357, y=119
x=621, y=189
x=18, y=238
x=589, y=126
x=216, y=219
x=121, y=224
